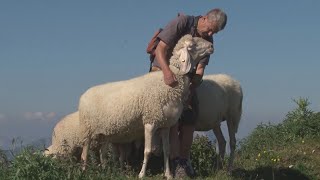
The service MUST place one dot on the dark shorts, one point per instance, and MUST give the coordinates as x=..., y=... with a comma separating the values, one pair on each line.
x=191, y=112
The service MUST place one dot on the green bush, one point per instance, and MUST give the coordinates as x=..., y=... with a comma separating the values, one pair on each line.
x=298, y=124
x=4, y=163
x=203, y=156
x=302, y=122
x=33, y=165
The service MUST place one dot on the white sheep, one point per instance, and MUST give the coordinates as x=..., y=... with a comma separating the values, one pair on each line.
x=220, y=98
x=125, y=111
x=66, y=142
x=66, y=137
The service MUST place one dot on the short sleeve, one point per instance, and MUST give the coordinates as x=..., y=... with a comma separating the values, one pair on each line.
x=174, y=30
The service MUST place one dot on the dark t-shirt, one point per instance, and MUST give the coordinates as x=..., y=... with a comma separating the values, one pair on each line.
x=177, y=28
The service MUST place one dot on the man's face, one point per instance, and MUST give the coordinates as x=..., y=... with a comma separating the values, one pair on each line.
x=207, y=28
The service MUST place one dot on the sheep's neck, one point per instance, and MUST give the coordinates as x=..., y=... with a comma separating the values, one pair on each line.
x=175, y=70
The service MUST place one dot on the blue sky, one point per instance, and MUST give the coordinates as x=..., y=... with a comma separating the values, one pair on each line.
x=52, y=51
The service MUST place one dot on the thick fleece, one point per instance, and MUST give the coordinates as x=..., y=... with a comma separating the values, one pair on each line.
x=67, y=138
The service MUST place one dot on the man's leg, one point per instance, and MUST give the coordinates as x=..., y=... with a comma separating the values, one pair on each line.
x=186, y=133
x=187, y=129
x=186, y=138
x=188, y=119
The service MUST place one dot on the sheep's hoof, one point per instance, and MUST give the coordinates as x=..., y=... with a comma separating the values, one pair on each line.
x=169, y=176
x=229, y=170
x=141, y=175
x=84, y=167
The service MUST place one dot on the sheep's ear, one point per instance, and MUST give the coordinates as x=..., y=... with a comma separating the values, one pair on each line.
x=185, y=60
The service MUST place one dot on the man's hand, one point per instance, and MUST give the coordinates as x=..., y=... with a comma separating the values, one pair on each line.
x=161, y=55
x=170, y=78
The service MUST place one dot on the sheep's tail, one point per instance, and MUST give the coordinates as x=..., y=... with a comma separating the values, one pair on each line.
x=237, y=115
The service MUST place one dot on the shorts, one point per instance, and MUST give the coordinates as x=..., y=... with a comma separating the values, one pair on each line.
x=191, y=112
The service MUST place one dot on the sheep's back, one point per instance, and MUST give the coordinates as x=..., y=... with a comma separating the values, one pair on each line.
x=217, y=95
x=119, y=109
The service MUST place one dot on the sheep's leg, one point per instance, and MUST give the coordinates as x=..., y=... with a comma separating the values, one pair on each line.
x=103, y=150
x=232, y=136
x=149, y=131
x=85, y=151
x=122, y=156
x=115, y=152
x=221, y=143
x=166, y=151
x=137, y=147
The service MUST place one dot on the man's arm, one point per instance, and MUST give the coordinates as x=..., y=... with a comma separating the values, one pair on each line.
x=161, y=55
x=200, y=69
x=197, y=79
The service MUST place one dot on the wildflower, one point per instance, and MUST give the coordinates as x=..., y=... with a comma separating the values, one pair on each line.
x=264, y=151
x=259, y=155
x=302, y=141
x=256, y=159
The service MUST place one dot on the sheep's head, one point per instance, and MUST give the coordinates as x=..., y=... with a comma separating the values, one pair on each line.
x=201, y=49
x=189, y=50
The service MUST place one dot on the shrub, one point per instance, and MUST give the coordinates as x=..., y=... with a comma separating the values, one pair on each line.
x=302, y=122
x=33, y=165
x=298, y=124
x=203, y=156
x=3, y=165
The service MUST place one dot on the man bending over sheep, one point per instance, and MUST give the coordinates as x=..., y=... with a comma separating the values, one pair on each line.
x=181, y=134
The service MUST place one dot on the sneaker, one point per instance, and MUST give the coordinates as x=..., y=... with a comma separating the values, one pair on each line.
x=180, y=172
x=173, y=165
x=187, y=168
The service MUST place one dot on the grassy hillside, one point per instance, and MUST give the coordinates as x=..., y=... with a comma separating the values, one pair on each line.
x=289, y=150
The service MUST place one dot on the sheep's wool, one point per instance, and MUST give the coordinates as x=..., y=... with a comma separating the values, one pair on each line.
x=220, y=98
x=67, y=138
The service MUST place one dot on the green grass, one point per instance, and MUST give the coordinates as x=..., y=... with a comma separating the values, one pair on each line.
x=289, y=150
